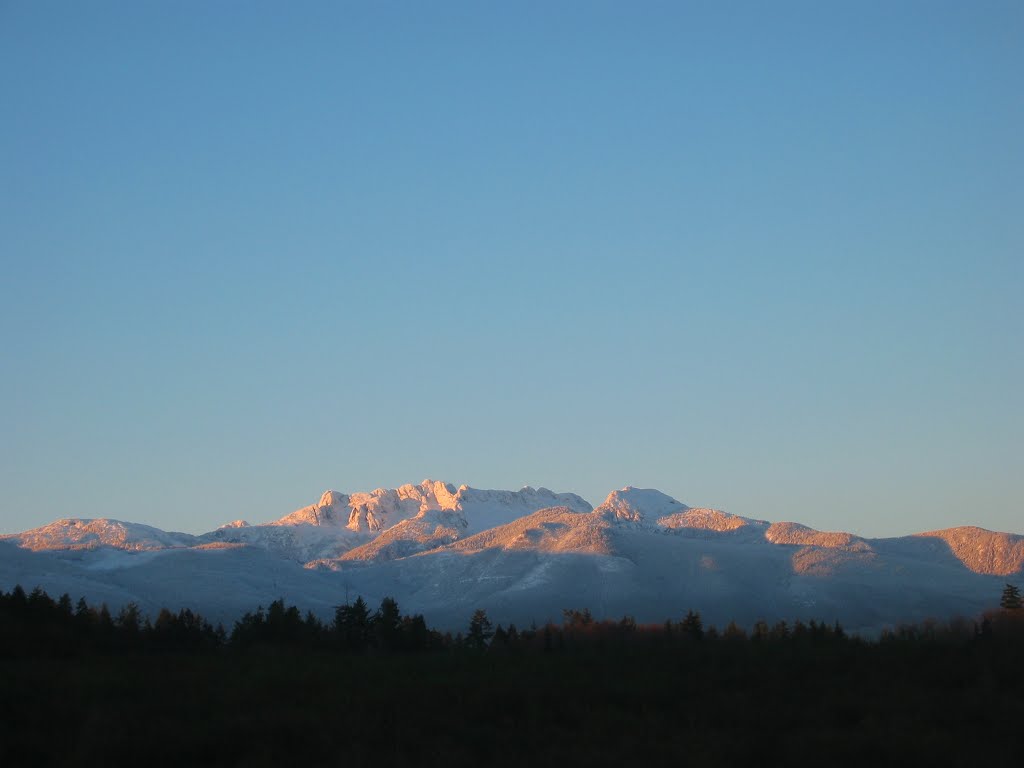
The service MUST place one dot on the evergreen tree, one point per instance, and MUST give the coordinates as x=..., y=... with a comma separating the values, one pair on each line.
x=573, y=617
x=128, y=619
x=780, y=631
x=164, y=621
x=416, y=636
x=760, y=631
x=692, y=626
x=387, y=625
x=734, y=632
x=352, y=626
x=480, y=631
x=82, y=610
x=500, y=636
x=18, y=598
x=284, y=623
x=1011, y=600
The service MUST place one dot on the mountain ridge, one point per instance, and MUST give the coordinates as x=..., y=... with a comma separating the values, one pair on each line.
x=525, y=554
x=435, y=512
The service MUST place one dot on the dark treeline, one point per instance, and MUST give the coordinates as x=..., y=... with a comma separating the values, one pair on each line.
x=82, y=686
x=35, y=623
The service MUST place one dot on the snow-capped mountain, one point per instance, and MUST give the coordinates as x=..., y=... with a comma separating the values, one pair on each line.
x=72, y=533
x=523, y=555
x=639, y=505
x=388, y=523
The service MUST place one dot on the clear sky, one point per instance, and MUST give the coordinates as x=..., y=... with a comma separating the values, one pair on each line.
x=767, y=257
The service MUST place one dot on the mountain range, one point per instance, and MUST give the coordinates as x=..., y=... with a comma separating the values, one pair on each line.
x=524, y=556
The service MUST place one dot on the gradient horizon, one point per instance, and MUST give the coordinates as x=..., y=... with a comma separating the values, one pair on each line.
x=764, y=259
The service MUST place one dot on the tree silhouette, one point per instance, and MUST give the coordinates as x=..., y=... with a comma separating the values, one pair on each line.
x=479, y=630
x=692, y=626
x=352, y=625
x=572, y=617
x=1011, y=600
x=387, y=625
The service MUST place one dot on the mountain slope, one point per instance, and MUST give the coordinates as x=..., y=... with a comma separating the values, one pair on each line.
x=524, y=556
x=983, y=551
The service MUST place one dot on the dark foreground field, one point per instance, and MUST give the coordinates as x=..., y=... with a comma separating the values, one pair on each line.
x=853, y=707
x=75, y=691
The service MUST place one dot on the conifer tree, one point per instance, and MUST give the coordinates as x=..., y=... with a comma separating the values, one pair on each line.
x=500, y=636
x=479, y=630
x=387, y=625
x=573, y=617
x=1011, y=600
x=760, y=631
x=352, y=625
x=128, y=619
x=692, y=626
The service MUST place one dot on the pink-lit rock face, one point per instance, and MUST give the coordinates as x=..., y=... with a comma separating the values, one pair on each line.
x=375, y=510
x=378, y=510
x=983, y=551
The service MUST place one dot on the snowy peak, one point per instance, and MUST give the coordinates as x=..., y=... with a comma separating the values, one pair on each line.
x=392, y=524
x=331, y=508
x=639, y=505
x=75, y=533
x=332, y=499
x=374, y=511
x=389, y=523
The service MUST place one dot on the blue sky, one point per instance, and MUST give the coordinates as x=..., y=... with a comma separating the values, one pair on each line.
x=766, y=257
